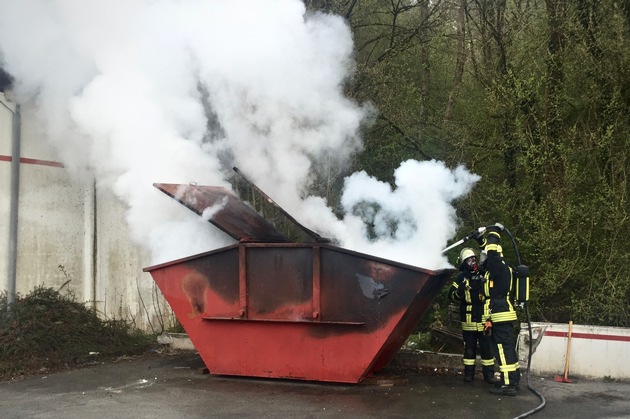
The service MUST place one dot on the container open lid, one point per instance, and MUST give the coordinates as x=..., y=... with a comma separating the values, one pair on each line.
x=225, y=210
x=236, y=218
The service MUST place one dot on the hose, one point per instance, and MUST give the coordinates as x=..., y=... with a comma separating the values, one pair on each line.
x=529, y=358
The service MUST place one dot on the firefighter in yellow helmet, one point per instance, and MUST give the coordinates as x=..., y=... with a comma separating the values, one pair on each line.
x=498, y=279
x=467, y=291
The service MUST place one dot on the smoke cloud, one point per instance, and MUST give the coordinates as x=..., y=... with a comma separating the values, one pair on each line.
x=142, y=91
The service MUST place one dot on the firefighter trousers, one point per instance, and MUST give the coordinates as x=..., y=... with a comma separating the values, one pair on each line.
x=471, y=339
x=504, y=348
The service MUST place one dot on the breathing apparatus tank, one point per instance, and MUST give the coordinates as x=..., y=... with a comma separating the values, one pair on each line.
x=521, y=288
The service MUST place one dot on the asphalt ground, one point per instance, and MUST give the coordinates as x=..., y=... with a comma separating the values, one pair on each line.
x=172, y=385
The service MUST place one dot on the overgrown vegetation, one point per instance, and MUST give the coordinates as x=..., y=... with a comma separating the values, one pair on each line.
x=46, y=330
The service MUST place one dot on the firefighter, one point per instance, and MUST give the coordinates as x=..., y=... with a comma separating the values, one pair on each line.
x=498, y=280
x=467, y=291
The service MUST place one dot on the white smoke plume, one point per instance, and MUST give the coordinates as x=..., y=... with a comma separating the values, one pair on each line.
x=144, y=91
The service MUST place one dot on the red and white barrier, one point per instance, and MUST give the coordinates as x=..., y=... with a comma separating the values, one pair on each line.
x=596, y=351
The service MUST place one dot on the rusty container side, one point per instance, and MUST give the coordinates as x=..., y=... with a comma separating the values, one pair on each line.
x=304, y=311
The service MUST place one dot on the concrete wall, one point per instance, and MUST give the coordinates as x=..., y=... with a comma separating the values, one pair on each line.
x=72, y=234
x=595, y=351
x=50, y=223
x=121, y=289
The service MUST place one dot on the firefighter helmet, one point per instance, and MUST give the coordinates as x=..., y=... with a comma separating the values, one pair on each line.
x=465, y=254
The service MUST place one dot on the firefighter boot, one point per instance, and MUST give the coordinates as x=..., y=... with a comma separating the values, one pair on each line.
x=469, y=373
x=488, y=375
x=504, y=390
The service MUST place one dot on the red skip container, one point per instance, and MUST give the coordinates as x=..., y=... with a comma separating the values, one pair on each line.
x=268, y=307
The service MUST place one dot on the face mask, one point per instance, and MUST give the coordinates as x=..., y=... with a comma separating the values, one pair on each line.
x=472, y=263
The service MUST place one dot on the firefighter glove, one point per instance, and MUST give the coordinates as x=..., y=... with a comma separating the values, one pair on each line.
x=477, y=236
x=487, y=328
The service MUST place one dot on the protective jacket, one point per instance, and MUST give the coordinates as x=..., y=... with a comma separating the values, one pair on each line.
x=467, y=291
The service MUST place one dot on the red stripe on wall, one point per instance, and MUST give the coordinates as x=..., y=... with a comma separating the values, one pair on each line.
x=26, y=160
x=589, y=336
